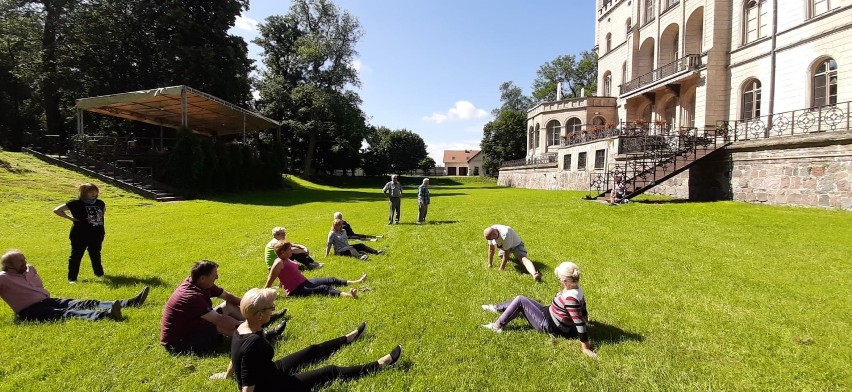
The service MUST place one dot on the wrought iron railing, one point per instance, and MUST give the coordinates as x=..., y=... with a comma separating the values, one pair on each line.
x=652, y=158
x=689, y=62
x=543, y=159
x=827, y=118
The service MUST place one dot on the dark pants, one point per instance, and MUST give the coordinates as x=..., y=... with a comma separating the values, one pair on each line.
x=421, y=213
x=302, y=258
x=318, y=286
x=394, y=203
x=365, y=249
x=203, y=341
x=56, y=308
x=82, y=240
x=305, y=381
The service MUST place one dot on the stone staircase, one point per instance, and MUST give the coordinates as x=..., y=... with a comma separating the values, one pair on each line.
x=136, y=181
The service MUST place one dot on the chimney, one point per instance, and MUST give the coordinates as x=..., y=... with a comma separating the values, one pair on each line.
x=558, y=91
x=583, y=92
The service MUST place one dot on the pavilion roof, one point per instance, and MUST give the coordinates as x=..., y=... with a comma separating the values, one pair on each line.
x=177, y=105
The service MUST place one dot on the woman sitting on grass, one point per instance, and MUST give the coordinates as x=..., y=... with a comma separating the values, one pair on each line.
x=338, y=239
x=300, y=252
x=351, y=233
x=251, y=354
x=297, y=285
x=566, y=316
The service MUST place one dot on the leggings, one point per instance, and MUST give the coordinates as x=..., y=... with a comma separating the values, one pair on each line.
x=361, y=248
x=535, y=313
x=302, y=258
x=318, y=286
x=289, y=365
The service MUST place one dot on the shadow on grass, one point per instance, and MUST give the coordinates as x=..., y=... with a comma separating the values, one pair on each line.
x=602, y=332
x=115, y=281
x=299, y=195
x=519, y=266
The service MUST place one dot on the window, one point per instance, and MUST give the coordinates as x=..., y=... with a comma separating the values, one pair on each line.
x=600, y=158
x=537, y=137
x=607, y=84
x=649, y=11
x=530, y=141
x=819, y=7
x=553, y=132
x=825, y=83
x=566, y=162
x=581, y=161
x=574, y=125
x=671, y=3
x=751, y=100
x=624, y=73
x=628, y=26
x=755, y=20
x=608, y=42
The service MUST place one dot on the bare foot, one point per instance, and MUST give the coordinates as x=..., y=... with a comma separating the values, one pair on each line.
x=363, y=278
x=353, y=293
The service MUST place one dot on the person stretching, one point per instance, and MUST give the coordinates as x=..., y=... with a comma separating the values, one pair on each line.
x=297, y=285
x=251, y=354
x=566, y=316
x=301, y=253
x=338, y=239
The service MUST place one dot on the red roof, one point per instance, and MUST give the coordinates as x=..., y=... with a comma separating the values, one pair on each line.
x=453, y=156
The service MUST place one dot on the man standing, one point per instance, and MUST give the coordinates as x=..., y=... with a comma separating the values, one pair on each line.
x=507, y=240
x=23, y=290
x=423, y=201
x=190, y=322
x=393, y=191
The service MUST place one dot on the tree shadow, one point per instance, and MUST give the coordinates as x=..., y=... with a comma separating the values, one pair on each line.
x=300, y=195
x=115, y=281
x=442, y=222
x=602, y=332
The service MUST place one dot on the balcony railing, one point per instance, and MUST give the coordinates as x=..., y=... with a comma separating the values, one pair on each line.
x=690, y=62
x=837, y=117
x=536, y=160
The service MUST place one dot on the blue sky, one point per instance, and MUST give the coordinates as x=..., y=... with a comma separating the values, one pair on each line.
x=434, y=67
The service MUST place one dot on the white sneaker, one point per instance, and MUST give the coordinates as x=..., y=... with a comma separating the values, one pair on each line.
x=493, y=327
x=490, y=308
x=381, y=252
x=72, y=282
x=364, y=257
x=316, y=265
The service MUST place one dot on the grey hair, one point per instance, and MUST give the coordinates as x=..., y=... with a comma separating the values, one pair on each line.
x=338, y=215
x=278, y=229
x=7, y=257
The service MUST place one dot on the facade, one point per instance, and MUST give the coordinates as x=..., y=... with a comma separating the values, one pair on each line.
x=463, y=163
x=750, y=70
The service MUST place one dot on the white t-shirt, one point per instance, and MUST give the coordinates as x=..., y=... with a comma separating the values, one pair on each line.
x=506, y=238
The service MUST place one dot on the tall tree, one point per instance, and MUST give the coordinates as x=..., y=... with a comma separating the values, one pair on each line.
x=393, y=151
x=20, y=32
x=308, y=55
x=504, y=138
x=574, y=74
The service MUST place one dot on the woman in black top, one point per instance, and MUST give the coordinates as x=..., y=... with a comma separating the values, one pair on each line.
x=251, y=354
x=87, y=232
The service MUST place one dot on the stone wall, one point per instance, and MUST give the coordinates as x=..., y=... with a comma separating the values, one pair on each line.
x=544, y=177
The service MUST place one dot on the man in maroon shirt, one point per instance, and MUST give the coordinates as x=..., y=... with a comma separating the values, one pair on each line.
x=191, y=324
x=23, y=290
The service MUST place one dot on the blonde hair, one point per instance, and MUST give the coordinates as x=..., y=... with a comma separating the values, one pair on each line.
x=425, y=180
x=9, y=256
x=87, y=187
x=282, y=246
x=278, y=229
x=338, y=215
x=336, y=223
x=255, y=300
x=567, y=271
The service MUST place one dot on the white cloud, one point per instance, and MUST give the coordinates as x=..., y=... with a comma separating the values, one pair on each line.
x=462, y=111
x=245, y=23
x=360, y=67
x=436, y=150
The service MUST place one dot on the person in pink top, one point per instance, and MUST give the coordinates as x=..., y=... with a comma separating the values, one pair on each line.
x=295, y=284
x=23, y=290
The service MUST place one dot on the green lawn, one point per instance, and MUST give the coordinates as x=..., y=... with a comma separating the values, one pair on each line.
x=683, y=296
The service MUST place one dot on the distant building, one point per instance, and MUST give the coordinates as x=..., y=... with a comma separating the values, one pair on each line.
x=463, y=162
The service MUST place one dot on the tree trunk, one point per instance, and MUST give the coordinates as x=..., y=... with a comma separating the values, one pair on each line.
x=49, y=88
x=309, y=155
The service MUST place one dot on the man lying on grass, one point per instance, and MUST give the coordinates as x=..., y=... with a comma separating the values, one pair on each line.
x=22, y=289
x=507, y=240
x=295, y=284
x=566, y=316
x=190, y=324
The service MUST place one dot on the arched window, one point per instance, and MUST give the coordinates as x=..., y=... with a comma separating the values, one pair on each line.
x=755, y=20
x=624, y=73
x=628, y=26
x=574, y=125
x=554, y=130
x=607, y=84
x=530, y=141
x=825, y=83
x=537, y=136
x=608, y=42
x=648, y=14
x=750, y=100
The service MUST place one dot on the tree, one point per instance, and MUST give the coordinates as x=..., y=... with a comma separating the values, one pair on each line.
x=513, y=99
x=20, y=31
x=503, y=139
x=308, y=55
x=427, y=164
x=574, y=75
x=405, y=150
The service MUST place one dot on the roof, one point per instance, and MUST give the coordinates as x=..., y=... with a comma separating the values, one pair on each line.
x=164, y=106
x=459, y=155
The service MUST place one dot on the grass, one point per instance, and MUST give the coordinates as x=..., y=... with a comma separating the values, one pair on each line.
x=684, y=296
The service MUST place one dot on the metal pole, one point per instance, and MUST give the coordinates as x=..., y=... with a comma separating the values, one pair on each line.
x=183, y=118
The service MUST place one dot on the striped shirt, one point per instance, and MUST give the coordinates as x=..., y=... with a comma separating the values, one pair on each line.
x=568, y=311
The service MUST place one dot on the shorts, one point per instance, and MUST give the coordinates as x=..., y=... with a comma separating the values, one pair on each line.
x=519, y=251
